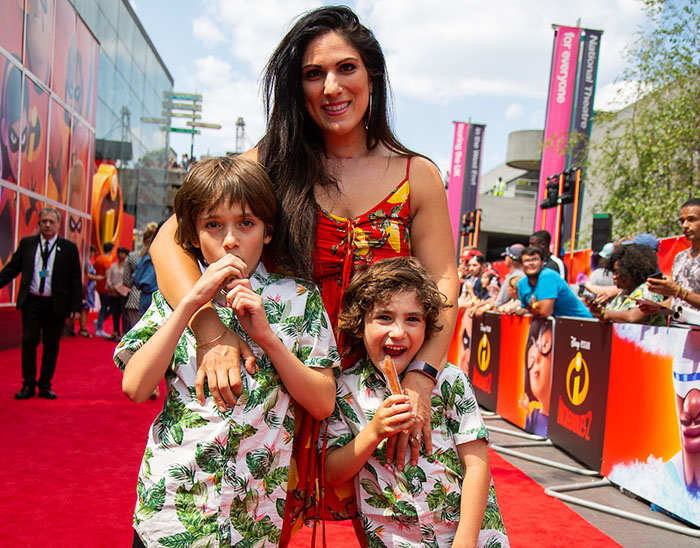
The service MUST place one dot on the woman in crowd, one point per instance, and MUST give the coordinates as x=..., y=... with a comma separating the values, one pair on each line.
x=134, y=296
x=350, y=193
x=631, y=265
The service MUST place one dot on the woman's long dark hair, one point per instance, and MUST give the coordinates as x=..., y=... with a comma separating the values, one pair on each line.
x=291, y=150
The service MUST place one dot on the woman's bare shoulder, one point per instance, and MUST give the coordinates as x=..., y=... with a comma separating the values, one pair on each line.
x=251, y=154
x=424, y=176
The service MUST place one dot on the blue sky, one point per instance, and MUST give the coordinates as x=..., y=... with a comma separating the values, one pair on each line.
x=448, y=60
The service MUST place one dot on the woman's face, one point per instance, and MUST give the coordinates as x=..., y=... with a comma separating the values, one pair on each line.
x=620, y=280
x=513, y=291
x=336, y=85
x=539, y=364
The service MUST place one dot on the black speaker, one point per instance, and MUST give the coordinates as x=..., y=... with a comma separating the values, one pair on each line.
x=602, y=231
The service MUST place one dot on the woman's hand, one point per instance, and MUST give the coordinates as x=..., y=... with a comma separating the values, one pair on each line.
x=219, y=366
x=417, y=387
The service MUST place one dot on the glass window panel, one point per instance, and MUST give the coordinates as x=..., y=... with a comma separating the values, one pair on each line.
x=106, y=121
x=105, y=80
x=107, y=35
x=126, y=26
x=110, y=9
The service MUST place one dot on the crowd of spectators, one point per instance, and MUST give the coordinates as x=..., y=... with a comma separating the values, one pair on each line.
x=625, y=283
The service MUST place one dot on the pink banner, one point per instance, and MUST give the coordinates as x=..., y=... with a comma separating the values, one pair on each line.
x=456, y=182
x=556, y=133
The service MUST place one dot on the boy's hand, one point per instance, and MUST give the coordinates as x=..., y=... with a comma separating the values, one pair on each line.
x=215, y=277
x=249, y=309
x=393, y=415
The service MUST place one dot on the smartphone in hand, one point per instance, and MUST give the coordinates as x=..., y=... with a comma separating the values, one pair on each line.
x=658, y=275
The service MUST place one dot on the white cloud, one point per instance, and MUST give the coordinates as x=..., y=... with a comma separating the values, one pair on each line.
x=514, y=112
x=255, y=28
x=227, y=95
x=205, y=30
x=445, y=50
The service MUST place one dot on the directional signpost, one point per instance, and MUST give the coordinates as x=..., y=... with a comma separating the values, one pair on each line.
x=177, y=104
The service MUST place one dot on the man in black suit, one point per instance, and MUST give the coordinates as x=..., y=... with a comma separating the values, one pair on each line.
x=49, y=292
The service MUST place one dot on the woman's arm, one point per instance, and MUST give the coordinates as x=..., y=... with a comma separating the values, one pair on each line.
x=177, y=272
x=632, y=315
x=433, y=244
x=393, y=415
x=475, y=491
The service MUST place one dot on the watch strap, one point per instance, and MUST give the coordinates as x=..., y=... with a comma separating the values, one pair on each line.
x=425, y=368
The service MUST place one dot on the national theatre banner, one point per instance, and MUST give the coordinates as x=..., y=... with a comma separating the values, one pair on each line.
x=582, y=118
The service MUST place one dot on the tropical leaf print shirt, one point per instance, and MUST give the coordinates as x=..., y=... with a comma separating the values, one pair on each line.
x=420, y=505
x=220, y=479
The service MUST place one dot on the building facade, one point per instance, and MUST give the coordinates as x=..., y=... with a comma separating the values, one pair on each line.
x=77, y=79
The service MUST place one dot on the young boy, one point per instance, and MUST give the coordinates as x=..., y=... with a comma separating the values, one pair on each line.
x=446, y=500
x=212, y=478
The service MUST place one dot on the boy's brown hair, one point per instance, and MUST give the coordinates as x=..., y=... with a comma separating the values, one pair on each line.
x=379, y=283
x=227, y=179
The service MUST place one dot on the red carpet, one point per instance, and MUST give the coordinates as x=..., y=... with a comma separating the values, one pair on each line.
x=69, y=466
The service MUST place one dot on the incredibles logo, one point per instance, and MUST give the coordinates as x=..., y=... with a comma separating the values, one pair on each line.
x=484, y=353
x=577, y=380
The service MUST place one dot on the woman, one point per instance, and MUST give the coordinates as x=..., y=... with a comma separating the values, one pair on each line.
x=342, y=180
x=134, y=297
x=631, y=264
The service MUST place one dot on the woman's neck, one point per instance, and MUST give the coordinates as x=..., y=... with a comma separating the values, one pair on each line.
x=347, y=146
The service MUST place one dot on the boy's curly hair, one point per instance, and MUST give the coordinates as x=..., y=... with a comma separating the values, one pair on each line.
x=379, y=283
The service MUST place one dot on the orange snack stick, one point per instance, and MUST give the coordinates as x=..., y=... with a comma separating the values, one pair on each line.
x=389, y=369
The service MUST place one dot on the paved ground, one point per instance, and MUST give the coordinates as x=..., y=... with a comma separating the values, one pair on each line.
x=630, y=534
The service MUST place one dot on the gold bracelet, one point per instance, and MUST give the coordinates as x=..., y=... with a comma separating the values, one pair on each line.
x=198, y=346
x=685, y=295
x=678, y=292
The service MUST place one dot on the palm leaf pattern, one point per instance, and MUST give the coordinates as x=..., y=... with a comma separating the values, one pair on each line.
x=419, y=505
x=211, y=478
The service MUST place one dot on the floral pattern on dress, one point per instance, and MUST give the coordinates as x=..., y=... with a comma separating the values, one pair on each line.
x=419, y=506
x=220, y=479
x=342, y=247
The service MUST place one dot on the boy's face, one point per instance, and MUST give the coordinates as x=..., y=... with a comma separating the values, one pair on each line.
x=396, y=329
x=233, y=230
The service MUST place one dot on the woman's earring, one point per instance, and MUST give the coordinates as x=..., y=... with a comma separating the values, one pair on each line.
x=369, y=113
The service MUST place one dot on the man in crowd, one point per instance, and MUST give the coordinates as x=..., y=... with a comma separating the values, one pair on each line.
x=543, y=292
x=543, y=240
x=512, y=256
x=50, y=290
x=684, y=288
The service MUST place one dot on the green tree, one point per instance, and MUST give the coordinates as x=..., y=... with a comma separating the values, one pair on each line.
x=648, y=161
